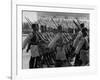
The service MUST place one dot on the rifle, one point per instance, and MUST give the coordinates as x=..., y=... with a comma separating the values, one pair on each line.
x=76, y=25
x=54, y=22
x=78, y=21
x=29, y=22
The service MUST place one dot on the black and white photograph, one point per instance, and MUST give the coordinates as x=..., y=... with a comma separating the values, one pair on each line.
x=55, y=39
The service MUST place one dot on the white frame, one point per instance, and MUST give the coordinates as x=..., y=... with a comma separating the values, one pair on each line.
x=18, y=73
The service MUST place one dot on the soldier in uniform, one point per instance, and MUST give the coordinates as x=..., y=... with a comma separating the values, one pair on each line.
x=60, y=52
x=81, y=50
x=32, y=41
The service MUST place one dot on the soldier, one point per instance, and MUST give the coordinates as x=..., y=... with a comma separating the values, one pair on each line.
x=60, y=55
x=78, y=36
x=78, y=39
x=32, y=40
x=80, y=51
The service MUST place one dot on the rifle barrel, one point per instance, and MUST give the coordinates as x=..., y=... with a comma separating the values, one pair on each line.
x=29, y=22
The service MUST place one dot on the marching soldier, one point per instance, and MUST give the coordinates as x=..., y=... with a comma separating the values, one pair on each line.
x=81, y=49
x=32, y=41
x=60, y=52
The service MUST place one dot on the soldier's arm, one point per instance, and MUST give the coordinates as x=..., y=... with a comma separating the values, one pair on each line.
x=87, y=43
x=29, y=46
x=76, y=41
x=26, y=41
x=79, y=46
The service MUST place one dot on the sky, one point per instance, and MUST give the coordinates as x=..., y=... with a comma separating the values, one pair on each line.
x=33, y=16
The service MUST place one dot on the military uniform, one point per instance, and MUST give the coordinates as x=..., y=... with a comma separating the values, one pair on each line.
x=32, y=41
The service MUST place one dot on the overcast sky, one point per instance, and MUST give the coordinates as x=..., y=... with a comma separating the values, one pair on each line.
x=33, y=16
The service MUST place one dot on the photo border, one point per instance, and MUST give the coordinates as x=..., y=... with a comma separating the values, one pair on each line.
x=13, y=76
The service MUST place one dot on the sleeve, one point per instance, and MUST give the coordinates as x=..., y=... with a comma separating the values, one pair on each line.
x=79, y=46
x=26, y=41
x=53, y=42
x=76, y=41
x=87, y=43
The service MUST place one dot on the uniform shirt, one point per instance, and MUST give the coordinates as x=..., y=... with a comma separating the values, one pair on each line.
x=53, y=42
x=34, y=48
x=80, y=45
x=34, y=51
x=60, y=53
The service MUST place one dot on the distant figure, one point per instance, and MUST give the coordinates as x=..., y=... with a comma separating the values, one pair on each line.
x=43, y=28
